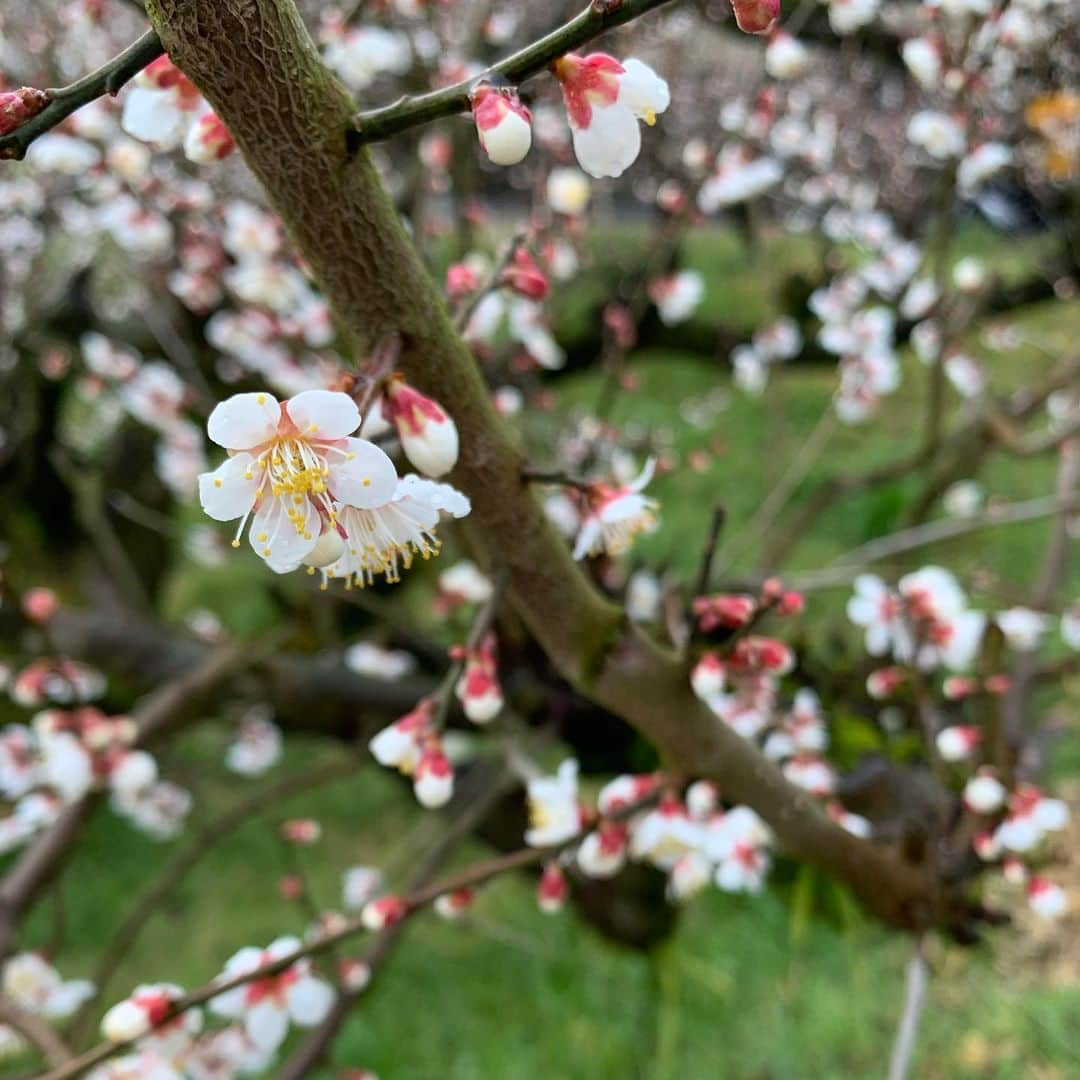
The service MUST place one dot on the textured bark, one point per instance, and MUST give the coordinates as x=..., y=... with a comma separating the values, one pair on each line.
x=257, y=66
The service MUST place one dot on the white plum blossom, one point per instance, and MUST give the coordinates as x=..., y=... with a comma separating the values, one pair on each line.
x=980, y=164
x=616, y=515
x=1046, y=899
x=1022, y=627
x=677, y=296
x=554, y=810
x=257, y=746
x=568, y=190
x=847, y=16
x=923, y=59
x=786, y=57
x=984, y=793
x=386, y=538
x=268, y=1005
x=36, y=986
x=941, y=136
x=374, y=662
x=290, y=467
x=605, y=99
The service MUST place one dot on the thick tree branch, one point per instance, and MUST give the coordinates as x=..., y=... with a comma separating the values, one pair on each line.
x=108, y=79
x=408, y=112
x=261, y=72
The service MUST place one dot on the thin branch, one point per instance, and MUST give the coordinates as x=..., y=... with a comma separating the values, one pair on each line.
x=176, y=869
x=36, y=1031
x=411, y=111
x=108, y=79
x=719, y=515
x=462, y=316
x=312, y=1050
x=420, y=898
x=41, y=861
x=918, y=976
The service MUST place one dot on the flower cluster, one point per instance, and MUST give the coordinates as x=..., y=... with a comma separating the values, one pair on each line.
x=314, y=494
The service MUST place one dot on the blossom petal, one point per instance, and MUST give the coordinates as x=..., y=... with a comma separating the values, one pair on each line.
x=309, y=1001
x=267, y=1024
x=280, y=540
x=244, y=421
x=611, y=142
x=366, y=478
x=642, y=91
x=229, y=491
x=323, y=414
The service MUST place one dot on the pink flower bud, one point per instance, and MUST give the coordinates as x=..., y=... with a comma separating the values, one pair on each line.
x=461, y=280
x=553, y=890
x=291, y=887
x=428, y=436
x=383, y=912
x=301, y=831
x=884, y=682
x=503, y=124
x=756, y=16
x=208, y=140
x=433, y=781
x=454, y=904
x=40, y=605
x=18, y=106
x=707, y=678
x=525, y=277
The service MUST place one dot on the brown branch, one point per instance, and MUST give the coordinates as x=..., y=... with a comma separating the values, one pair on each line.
x=249, y=61
x=41, y=861
x=414, y=901
x=483, y=795
x=176, y=869
x=35, y=1030
x=108, y=79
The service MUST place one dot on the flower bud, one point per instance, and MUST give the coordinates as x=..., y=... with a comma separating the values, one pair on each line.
x=208, y=140
x=552, y=891
x=428, y=436
x=525, y=277
x=433, y=781
x=756, y=16
x=124, y=1022
x=503, y=124
x=327, y=550
x=40, y=605
x=18, y=106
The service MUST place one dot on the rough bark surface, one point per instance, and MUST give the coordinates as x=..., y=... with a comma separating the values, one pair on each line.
x=256, y=64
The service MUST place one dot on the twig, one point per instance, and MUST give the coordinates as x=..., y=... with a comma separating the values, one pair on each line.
x=918, y=976
x=806, y=457
x=311, y=1051
x=108, y=79
x=36, y=1031
x=462, y=317
x=719, y=514
x=478, y=874
x=539, y=476
x=150, y=900
x=411, y=111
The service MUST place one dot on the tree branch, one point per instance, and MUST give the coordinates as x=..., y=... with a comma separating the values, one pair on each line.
x=418, y=899
x=249, y=62
x=37, y=1031
x=108, y=79
x=408, y=112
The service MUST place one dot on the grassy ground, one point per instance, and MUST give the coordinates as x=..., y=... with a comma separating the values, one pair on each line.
x=768, y=989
